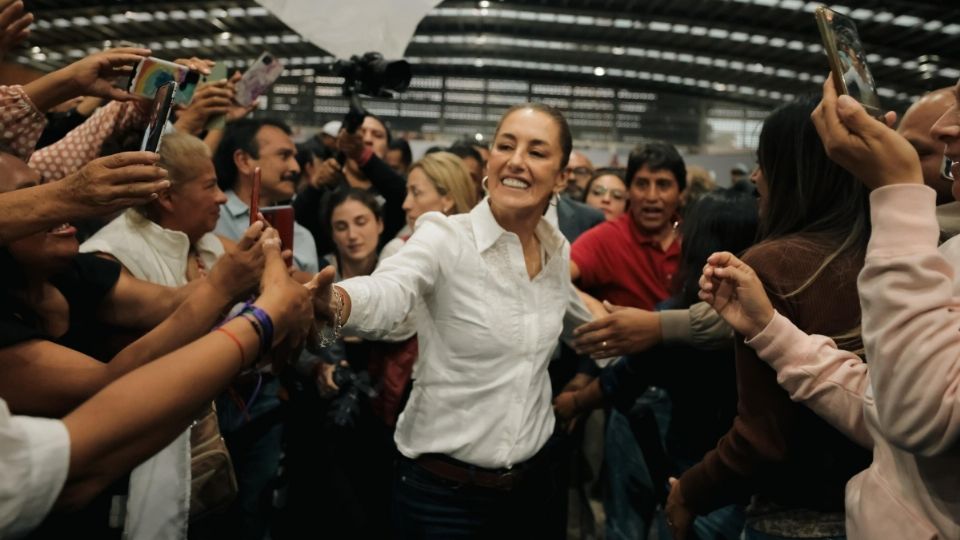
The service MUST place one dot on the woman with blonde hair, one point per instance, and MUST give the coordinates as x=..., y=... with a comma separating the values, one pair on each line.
x=438, y=182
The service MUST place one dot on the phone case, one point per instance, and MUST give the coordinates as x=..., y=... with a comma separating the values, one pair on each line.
x=857, y=70
x=218, y=73
x=152, y=73
x=258, y=79
x=255, y=196
x=281, y=218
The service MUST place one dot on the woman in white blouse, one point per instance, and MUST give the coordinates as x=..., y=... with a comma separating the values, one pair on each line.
x=474, y=434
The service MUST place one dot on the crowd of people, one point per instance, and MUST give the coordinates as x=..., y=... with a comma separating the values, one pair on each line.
x=475, y=343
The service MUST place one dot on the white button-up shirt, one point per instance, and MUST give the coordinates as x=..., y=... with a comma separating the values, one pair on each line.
x=34, y=458
x=482, y=393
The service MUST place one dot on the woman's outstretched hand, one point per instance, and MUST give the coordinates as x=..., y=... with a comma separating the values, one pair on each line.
x=735, y=291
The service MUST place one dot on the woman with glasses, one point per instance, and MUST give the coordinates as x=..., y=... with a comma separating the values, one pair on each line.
x=606, y=191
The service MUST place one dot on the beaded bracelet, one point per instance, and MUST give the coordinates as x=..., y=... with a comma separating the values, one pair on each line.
x=328, y=335
x=262, y=323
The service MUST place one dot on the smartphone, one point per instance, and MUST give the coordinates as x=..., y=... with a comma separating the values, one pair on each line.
x=255, y=197
x=281, y=218
x=946, y=169
x=258, y=79
x=847, y=59
x=152, y=73
x=217, y=73
x=160, y=112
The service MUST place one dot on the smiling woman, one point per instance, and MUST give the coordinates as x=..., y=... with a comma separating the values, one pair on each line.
x=495, y=282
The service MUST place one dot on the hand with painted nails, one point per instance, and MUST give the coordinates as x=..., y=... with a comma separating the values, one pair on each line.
x=115, y=182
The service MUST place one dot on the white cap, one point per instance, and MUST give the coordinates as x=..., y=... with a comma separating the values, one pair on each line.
x=332, y=128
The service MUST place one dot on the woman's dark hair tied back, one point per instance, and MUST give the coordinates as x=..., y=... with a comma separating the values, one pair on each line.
x=566, y=137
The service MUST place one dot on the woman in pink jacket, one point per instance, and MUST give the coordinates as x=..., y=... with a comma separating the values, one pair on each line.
x=904, y=404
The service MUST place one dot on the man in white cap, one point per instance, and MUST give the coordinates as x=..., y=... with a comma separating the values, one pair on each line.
x=328, y=135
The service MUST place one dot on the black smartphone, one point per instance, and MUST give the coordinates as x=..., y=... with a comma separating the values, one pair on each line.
x=162, y=105
x=848, y=61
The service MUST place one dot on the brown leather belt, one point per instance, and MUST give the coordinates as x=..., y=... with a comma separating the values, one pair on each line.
x=443, y=467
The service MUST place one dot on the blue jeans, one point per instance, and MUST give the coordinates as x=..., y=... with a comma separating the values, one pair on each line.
x=631, y=503
x=426, y=506
x=256, y=464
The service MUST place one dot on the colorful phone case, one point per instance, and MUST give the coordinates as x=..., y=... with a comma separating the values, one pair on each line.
x=152, y=73
x=258, y=79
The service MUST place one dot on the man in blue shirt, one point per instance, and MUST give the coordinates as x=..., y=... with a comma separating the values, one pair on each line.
x=251, y=416
x=263, y=143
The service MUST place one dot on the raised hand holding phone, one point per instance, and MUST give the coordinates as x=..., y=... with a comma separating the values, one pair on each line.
x=848, y=61
x=255, y=197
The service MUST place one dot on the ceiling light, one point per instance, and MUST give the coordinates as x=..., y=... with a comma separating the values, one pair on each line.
x=618, y=50
x=599, y=71
x=484, y=4
x=224, y=35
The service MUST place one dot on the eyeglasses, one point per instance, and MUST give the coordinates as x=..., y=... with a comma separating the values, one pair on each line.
x=600, y=191
x=578, y=171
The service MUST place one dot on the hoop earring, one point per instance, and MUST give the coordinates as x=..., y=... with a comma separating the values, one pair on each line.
x=483, y=184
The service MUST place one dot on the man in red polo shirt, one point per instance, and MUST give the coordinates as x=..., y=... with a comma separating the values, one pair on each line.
x=631, y=261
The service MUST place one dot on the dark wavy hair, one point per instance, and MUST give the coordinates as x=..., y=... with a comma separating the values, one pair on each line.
x=240, y=135
x=720, y=220
x=807, y=192
x=656, y=156
x=566, y=137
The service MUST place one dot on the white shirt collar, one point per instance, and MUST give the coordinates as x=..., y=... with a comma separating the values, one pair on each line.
x=487, y=231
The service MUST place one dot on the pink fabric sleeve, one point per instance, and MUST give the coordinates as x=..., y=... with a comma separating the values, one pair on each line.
x=82, y=144
x=22, y=124
x=911, y=323
x=833, y=383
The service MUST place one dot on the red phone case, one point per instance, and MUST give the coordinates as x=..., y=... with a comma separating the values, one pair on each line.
x=255, y=197
x=282, y=219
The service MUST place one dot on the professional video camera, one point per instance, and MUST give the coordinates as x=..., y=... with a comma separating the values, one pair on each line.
x=346, y=406
x=369, y=75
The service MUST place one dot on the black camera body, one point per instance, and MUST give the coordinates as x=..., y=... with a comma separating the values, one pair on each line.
x=373, y=76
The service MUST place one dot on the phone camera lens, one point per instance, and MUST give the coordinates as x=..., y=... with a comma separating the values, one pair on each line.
x=267, y=59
